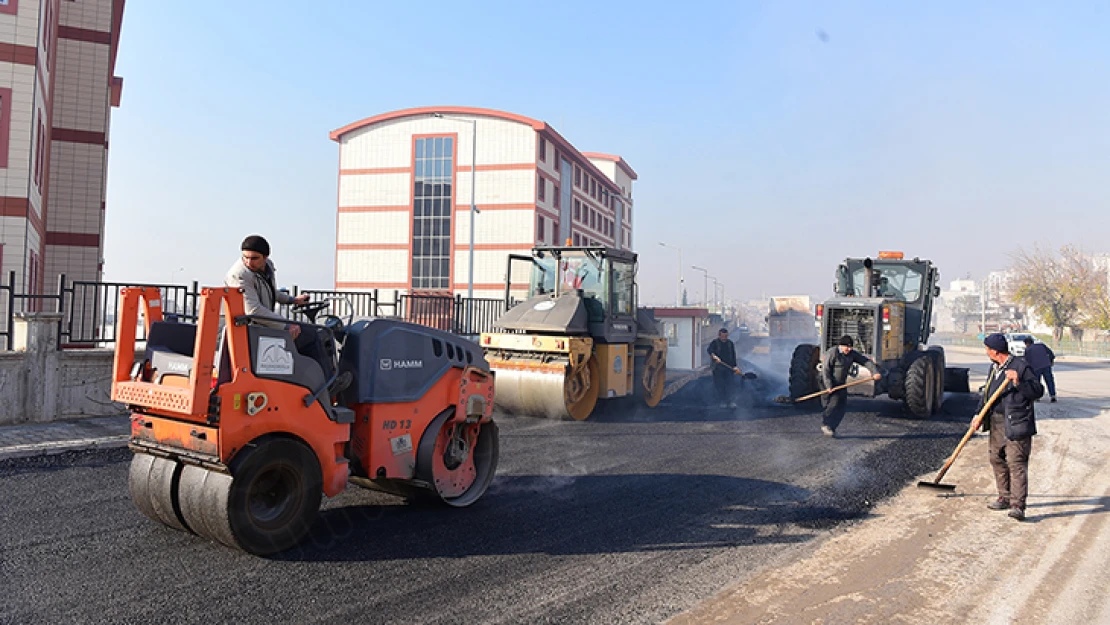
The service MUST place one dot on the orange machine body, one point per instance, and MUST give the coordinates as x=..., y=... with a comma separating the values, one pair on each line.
x=211, y=415
x=385, y=437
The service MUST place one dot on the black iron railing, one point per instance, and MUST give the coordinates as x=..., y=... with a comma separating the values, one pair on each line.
x=90, y=309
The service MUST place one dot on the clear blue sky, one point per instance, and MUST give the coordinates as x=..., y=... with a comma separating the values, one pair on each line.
x=772, y=139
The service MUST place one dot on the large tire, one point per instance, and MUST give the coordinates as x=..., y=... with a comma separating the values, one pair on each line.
x=458, y=482
x=920, y=397
x=937, y=354
x=803, y=370
x=265, y=506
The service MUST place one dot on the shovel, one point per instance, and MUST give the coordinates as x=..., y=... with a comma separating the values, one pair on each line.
x=784, y=399
x=747, y=376
x=971, y=430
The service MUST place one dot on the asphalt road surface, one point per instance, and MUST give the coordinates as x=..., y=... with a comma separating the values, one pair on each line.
x=626, y=518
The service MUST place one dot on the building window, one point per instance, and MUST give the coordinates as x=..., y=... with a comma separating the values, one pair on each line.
x=577, y=176
x=540, y=230
x=543, y=149
x=555, y=232
x=39, y=142
x=555, y=194
x=577, y=210
x=433, y=176
x=593, y=188
x=541, y=187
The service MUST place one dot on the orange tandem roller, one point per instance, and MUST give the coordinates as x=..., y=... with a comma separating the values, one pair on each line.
x=236, y=436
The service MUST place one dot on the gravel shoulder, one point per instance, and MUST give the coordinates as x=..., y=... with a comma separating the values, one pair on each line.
x=921, y=557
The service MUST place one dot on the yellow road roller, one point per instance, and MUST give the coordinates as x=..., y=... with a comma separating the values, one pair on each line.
x=577, y=337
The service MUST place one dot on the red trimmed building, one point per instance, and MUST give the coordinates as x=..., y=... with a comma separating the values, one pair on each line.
x=57, y=87
x=405, y=192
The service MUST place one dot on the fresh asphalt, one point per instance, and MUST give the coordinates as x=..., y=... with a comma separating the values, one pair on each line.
x=630, y=517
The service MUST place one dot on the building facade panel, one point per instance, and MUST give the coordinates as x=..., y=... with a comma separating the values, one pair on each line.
x=489, y=268
x=391, y=227
x=378, y=266
x=378, y=189
x=495, y=226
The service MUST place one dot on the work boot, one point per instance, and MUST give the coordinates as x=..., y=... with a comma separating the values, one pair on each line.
x=1053, y=400
x=999, y=504
x=1016, y=514
x=828, y=431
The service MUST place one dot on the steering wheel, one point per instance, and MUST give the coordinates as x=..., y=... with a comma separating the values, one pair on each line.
x=309, y=309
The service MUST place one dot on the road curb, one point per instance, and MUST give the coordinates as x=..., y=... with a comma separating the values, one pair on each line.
x=59, y=447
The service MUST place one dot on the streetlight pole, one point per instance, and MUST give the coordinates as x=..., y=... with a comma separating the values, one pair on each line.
x=705, y=292
x=678, y=300
x=473, y=207
x=716, y=302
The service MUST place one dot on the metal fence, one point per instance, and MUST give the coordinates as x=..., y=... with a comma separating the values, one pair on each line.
x=1066, y=347
x=90, y=309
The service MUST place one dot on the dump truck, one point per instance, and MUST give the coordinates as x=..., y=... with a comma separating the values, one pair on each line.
x=789, y=322
x=236, y=436
x=885, y=304
x=577, y=337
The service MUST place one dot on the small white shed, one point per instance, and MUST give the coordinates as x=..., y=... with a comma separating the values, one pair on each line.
x=685, y=331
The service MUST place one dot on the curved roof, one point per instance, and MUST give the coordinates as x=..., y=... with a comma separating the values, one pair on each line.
x=429, y=110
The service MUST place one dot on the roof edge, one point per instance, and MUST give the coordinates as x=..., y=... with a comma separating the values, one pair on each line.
x=430, y=110
x=623, y=164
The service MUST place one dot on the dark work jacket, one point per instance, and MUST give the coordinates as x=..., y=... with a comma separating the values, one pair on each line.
x=1039, y=356
x=836, y=366
x=1016, y=403
x=725, y=350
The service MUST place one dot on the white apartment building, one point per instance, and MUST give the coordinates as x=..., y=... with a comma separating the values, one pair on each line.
x=403, y=222
x=57, y=87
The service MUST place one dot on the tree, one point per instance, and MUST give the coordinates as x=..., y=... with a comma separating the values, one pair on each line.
x=1058, y=287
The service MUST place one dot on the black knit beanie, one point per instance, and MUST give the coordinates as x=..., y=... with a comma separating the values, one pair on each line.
x=256, y=243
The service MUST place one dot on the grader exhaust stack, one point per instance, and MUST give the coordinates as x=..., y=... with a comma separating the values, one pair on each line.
x=577, y=338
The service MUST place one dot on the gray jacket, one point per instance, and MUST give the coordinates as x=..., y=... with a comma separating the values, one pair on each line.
x=260, y=293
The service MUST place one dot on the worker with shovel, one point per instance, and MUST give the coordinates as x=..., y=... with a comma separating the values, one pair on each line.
x=1011, y=424
x=723, y=353
x=836, y=366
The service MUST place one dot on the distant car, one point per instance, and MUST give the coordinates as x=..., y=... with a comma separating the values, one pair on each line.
x=1016, y=342
x=743, y=329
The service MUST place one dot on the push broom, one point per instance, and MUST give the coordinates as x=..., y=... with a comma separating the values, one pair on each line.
x=971, y=430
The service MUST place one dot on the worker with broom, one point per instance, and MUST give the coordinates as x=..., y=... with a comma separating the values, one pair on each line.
x=1011, y=424
x=836, y=365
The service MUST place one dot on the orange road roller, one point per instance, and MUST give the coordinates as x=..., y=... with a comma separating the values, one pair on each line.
x=237, y=435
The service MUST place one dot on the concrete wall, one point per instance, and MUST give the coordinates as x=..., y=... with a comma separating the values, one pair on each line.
x=40, y=383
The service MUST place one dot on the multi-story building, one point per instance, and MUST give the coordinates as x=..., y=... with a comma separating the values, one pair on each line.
x=57, y=59
x=403, y=222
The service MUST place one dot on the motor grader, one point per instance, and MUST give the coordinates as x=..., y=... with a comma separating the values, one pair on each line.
x=236, y=436
x=577, y=337
x=885, y=305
